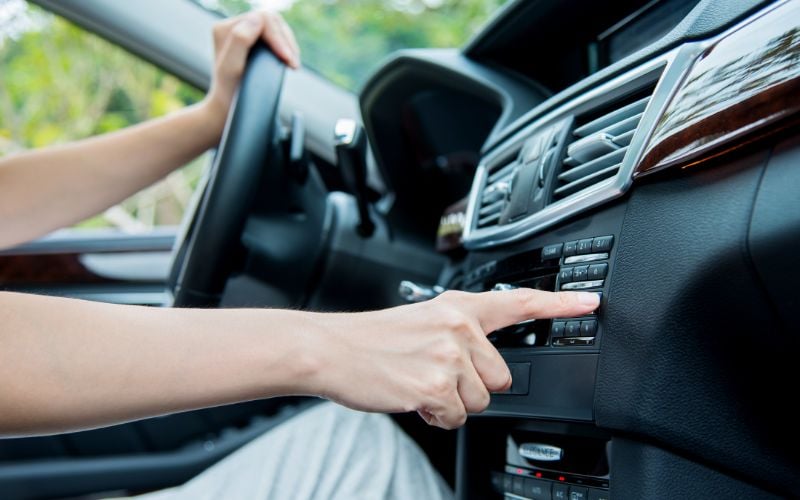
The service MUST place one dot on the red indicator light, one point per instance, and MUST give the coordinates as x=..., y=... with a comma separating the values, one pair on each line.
x=562, y=478
x=520, y=471
x=538, y=474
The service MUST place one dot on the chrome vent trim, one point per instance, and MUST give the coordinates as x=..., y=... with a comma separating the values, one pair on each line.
x=598, y=148
x=495, y=195
x=608, y=174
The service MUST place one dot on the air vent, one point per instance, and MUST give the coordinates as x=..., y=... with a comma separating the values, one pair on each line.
x=495, y=195
x=599, y=146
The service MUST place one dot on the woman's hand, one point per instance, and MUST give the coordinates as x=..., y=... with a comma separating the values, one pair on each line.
x=432, y=357
x=233, y=39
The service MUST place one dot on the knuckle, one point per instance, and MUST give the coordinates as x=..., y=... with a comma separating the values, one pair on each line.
x=455, y=321
x=449, y=353
x=438, y=387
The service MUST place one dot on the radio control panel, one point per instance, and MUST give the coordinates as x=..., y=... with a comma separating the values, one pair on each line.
x=574, y=265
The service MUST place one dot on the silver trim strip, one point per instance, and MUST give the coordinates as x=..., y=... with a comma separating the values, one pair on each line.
x=672, y=68
x=577, y=259
x=582, y=285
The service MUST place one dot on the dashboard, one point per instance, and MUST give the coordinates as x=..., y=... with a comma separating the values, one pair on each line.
x=645, y=151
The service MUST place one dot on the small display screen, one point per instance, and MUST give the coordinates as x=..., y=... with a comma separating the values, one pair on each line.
x=545, y=283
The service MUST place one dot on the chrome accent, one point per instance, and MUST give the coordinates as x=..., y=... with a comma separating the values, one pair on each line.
x=503, y=286
x=412, y=292
x=344, y=131
x=567, y=341
x=589, y=257
x=671, y=67
x=582, y=285
x=541, y=452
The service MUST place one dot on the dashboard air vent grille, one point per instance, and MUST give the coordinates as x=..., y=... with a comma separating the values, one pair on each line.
x=599, y=146
x=495, y=195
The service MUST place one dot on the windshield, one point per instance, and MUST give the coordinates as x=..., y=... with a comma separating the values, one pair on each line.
x=346, y=40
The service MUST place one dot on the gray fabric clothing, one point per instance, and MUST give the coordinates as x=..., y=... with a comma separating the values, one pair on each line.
x=327, y=452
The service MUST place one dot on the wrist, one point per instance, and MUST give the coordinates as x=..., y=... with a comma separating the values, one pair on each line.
x=212, y=115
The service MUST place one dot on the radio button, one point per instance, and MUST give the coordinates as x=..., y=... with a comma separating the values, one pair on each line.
x=589, y=328
x=585, y=246
x=598, y=271
x=602, y=243
x=572, y=329
x=577, y=493
x=552, y=251
x=560, y=491
x=565, y=276
x=580, y=273
x=518, y=486
x=537, y=489
x=595, y=494
x=557, y=330
x=570, y=248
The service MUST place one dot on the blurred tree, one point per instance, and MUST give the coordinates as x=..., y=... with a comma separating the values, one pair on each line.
x=345, y=40
x=59, y=83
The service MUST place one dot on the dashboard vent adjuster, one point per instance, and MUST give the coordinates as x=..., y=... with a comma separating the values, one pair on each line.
x=598, y=148
x=495, y=195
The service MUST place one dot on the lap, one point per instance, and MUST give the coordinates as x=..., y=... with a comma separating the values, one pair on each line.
x=326, y=452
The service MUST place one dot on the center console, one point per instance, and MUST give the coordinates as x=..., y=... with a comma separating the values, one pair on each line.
x=537, y=440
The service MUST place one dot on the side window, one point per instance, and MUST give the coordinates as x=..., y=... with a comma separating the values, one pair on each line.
x=60, y=83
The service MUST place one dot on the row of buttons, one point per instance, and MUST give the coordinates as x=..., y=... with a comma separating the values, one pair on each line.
x=585, y=328
x=538, y=489
x=481, y=272
x=599, y=244
x=583, y=273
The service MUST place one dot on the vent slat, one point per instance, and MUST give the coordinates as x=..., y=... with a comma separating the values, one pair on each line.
x=621, y=114
x=494, y=207
x=583, y=182
x=625, y=139
x=489, y=219
x=593, y=166
x=589, y=159
x=503, y=172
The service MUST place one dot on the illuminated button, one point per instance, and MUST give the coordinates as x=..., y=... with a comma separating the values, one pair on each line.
x=602, y=243
x=585, y=246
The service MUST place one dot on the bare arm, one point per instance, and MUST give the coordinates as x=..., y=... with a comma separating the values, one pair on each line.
x=55, y=187
x=68, y=364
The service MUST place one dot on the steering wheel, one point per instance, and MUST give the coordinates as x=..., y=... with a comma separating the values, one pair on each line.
x=248, y=155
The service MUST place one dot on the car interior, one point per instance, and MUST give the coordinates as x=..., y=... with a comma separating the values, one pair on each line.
x=647, y=150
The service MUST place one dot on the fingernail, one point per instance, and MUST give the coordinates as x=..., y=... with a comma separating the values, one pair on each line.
x=249, y=25
x=588, y=299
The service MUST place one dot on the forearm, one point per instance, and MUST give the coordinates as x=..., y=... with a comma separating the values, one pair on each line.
x=68, y=364
x=55, y=187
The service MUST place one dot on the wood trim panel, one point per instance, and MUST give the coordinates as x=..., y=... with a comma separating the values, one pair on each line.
x=55, y=269
x=744, y=86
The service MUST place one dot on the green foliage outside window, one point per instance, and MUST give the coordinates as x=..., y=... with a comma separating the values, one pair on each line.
x=59, y=83
x=345, y=40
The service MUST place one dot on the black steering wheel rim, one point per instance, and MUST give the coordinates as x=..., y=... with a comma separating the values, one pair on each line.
x=248, y=147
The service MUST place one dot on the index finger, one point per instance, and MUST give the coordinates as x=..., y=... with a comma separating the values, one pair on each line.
x=498, y=309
